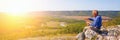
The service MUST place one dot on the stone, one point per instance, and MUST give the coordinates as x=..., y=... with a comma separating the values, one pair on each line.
x=112, y=33
x=99, y=37
x=80, y=36
x=90, y=33
x=111, y=38
x=118, y=37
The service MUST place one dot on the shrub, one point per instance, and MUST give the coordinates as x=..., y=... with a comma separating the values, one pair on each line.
x=74, y=27
x=113, y=22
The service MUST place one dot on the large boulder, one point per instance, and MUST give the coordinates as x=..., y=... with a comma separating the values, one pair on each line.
x=106, y=34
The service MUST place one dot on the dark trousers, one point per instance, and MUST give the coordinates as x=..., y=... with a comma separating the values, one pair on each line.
x=96, y=30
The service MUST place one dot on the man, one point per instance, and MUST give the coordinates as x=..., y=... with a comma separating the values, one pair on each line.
x=95, y=22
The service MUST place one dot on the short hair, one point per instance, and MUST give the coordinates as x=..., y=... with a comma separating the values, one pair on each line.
x=96, y=11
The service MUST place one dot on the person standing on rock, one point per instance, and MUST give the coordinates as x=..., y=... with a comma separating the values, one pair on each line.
x=95, y=22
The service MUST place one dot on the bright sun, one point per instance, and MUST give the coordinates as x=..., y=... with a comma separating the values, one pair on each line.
x=15, y=12
x=15, y=7
x=20, y=7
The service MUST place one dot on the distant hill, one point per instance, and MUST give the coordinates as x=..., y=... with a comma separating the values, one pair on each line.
x=78, y=13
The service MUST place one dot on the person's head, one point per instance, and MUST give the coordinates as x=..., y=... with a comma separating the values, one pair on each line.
x=94, y=13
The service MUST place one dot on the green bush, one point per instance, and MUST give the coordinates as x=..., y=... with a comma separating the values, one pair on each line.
x=113, y=22
x=74, y=27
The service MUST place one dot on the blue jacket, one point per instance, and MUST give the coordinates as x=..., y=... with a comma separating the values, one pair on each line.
x=96, y=22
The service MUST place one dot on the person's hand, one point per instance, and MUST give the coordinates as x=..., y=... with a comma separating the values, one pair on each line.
x=88, y=23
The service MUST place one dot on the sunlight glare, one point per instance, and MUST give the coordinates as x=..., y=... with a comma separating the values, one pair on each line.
x=19, y=7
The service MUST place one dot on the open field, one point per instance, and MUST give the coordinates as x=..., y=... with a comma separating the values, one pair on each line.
x=44, y=26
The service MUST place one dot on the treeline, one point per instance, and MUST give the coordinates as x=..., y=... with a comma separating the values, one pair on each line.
x=80, y=13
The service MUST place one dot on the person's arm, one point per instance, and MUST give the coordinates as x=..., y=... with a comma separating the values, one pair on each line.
x=91, y=19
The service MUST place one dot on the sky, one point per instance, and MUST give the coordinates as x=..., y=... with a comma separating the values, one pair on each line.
x=55, y=5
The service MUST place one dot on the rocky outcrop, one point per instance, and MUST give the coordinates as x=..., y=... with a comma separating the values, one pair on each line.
x=112, y=33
